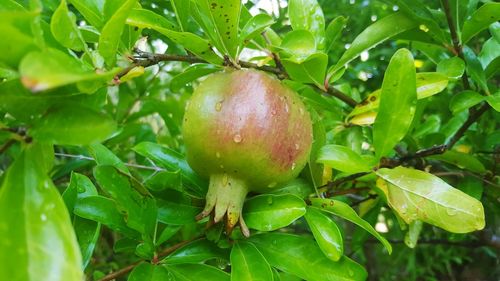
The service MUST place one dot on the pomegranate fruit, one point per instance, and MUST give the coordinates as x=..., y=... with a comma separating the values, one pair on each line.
x=245, y=131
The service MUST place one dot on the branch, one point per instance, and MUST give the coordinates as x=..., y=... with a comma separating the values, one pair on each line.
x=456, y=42
x=130, y=267
x=146, y=59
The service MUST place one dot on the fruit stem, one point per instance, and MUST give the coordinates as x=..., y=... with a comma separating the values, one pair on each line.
x=225, y=197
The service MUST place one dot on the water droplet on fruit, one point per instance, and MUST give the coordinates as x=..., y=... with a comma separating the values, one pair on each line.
x=43, y=217
x=217, y=154
x=286, y=107
x=301, y=111
x=273, y=112
x=293, y=166
x=218, y=106
x=297, y=146
x=237, y=138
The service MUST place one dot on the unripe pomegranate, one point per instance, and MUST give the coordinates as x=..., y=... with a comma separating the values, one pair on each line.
x=245, y=131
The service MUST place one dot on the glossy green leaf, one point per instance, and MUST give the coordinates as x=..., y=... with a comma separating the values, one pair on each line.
x=428, y=84
x=73, y=125
x=248, y=264
x=191, y=73
x=140, y=210
x=461, y=160
x=489, y=52
x=311, y=70
x=105, y=211
x=103, y=156
x=334, y=31
x=112, y=31
x=417, y=195
x=345, y=211
x=464, y=100
x=167, y=233
x=221, y=22
x=308, y=15
x=149, y=272
x=375, y=34
x=480, y=20
x=254, y=27
x=475, y=69
x=398, y=100
x=298, y=45
x=19, y=44
x=494, y=101
x=200, y=47
x=197, y=251
x=197, y=272
x=162, y=180
x=172, y=161
x=177, y=213
x=91, y=10
x=298, y=187
x=181, y=9
x=270, y=212
x=453, y=67
x=52, y=68
x=36, y=237
x=301, y=256
x=326, y=232
x=343, y=159
x=63, y=27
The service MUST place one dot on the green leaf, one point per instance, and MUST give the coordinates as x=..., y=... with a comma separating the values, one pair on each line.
x=87, y=233
x=307, y=15
x=298, y=45
x=80, y=186
x=343, y=159
x=177, y=213
x=345, y=211
x=36, y=237
x=428, y=84
x=464, y=100
x=103, y=156
x=417, y=195
x=480, y=20
x=149, y=272
x=334, y=31
x=73, y=125
x=181, y=9
x=475, y=69
x=311, y=70
x=221, y=21
x=63, y=27
x=326, y=232
x=270, y=212
x=453, y=67
x=91, y=10
x=172, y=161
x=112, y=31
x=254, y=27
x=52, y=68
x=461, y=160
x=105, y=211
x=192, y=73
x=197, y=251
x=140, y=210
x=411, y=237
x=494, y=101
x=373, y=35
x=301, y=256
x=197, y=272
x=200, y=47
x=162, y=180
x=398, y=100
x=248, y=264
x=298, y=187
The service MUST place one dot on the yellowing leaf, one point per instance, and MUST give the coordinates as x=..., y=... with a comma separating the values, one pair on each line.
x=417, y=195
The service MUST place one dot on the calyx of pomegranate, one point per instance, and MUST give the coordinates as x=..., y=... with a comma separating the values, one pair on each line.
x=244, y=131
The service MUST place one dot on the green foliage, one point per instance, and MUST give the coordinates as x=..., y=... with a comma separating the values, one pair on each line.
x=405, y=102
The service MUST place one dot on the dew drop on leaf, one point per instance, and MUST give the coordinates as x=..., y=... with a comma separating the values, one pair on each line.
x=237, y=138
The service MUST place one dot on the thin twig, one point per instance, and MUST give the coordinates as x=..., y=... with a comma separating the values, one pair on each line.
x=146, y=59
x=130, y=267
x=6, y=145
x=456, y=42
x=83, y=157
